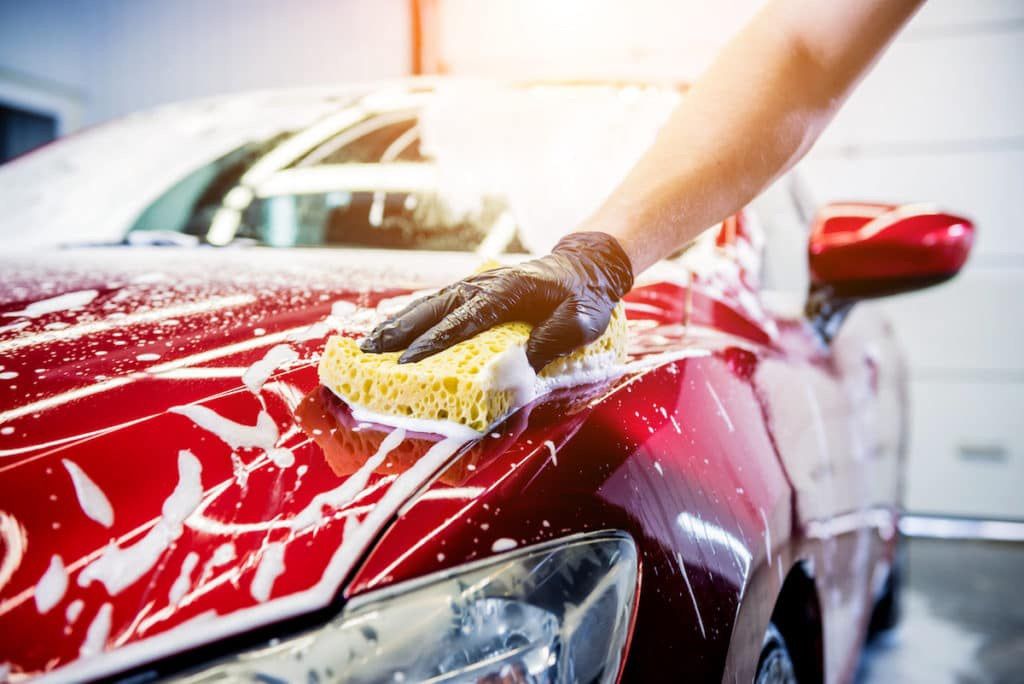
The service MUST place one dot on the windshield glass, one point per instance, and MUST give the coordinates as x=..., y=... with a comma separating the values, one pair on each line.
x=461, y=167
x=361, y=182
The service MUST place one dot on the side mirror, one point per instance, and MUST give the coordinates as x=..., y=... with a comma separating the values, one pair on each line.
x=861, y=251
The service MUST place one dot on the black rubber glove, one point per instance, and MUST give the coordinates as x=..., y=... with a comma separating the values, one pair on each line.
x=567, y=295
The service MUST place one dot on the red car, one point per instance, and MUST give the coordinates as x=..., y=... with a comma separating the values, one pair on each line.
x=180, y=500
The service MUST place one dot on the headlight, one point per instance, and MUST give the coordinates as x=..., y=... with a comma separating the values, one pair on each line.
x=557, y=612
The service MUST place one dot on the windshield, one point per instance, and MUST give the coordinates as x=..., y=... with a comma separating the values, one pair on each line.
x=355, y=178
x=458, y=167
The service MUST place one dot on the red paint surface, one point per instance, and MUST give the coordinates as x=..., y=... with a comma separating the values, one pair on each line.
x=726, y=465
x=868, y=242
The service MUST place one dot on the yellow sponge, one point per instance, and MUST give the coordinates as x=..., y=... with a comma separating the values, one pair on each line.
x=474, y=383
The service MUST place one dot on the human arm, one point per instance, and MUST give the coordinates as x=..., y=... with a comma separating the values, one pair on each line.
x=752, y=115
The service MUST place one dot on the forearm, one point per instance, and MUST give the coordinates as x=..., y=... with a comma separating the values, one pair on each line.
x=753, y=114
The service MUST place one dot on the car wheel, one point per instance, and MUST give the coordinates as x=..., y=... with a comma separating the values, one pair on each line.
x=886, y=612
x=775, y=666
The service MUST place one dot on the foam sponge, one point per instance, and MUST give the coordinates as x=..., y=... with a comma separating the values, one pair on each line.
x=474, y=383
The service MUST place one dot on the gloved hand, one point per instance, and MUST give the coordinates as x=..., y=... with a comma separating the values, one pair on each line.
x=567, y=295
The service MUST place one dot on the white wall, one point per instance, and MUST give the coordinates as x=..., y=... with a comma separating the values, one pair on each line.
x=118, y=56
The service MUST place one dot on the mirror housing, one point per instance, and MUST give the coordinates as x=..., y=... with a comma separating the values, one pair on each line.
x=862, y=251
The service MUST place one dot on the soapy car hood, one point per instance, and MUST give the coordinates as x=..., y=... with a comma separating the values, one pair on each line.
x=173, y=474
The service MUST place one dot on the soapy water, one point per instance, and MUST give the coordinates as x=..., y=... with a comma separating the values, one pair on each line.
x=120, y=567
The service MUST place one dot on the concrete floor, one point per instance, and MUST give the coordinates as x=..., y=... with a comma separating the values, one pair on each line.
x=962, y=619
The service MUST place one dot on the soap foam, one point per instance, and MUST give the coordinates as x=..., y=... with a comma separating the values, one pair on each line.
x=270, y=568
x=263, y=434
x=71, y=300
x=258, y=373
x=344, y=493
x=91, y=498
x=184, y=579
x=99, y=631
x=118, y=568
x=52, y=585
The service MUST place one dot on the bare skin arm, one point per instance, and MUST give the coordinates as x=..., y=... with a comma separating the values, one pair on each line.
x=750, y=117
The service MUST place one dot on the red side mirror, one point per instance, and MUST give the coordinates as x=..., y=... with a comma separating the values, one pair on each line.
x=872, y=250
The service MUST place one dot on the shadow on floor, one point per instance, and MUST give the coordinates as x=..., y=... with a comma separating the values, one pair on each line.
x=962, y=617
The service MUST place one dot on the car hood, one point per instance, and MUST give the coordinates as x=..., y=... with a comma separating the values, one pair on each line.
x=155, y=469
x=172, y=473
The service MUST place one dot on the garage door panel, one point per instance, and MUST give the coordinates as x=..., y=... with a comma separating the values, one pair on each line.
x=974, y=323
x=966, y=449
x=952, y=88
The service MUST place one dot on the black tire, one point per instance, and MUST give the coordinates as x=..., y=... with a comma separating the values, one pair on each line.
x=886, y=613
x=775, y=666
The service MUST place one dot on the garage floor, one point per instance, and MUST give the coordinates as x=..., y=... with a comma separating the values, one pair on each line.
x=963, y=617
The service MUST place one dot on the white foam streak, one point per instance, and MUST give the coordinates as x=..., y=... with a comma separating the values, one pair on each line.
x=551, y=448
x=258, y=373
x=52, y=585
x=446, y=428
x=184, y=578
x=270, y=568
x=347, y=490
x=91, y=498
x=360, y=535
x=317, y=331
x=263, y=434
x=74, y=609
x=70, y=300
x=98, y=633
x=118, y=568
x=503, y=544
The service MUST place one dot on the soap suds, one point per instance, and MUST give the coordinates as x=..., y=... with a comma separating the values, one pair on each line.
x=503, y=544
x=71, y=300
x=270, y=567
x=90, y=497
x=225, y=553
x=347, y=490
x=118, y=568
x=98, y=633
x=551, y=447
x=73, y=611
x=147, y=278
x=14, y=326
x=51, y=586
x=446, y=428
x=510, y=371
x=263, y=434
x=317, y=331
x=360, y=535
x=341, y=308
x=282, y=457
x=257, y=374
x=184, y=579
